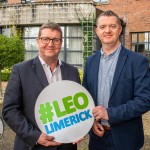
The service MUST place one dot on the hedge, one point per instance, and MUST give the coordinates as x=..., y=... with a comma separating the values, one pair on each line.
x=5, y=74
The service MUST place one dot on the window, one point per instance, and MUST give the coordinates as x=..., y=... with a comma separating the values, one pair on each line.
x=31, y=48
x=140, y=42
x=101, y=1
x=6, y=31
x=26, y=1
x=72, y=47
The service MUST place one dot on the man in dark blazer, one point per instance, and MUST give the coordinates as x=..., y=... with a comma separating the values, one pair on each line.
x=119, y=82
x=26, y=82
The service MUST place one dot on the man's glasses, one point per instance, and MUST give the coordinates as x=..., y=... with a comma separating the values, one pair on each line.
x=46, y=40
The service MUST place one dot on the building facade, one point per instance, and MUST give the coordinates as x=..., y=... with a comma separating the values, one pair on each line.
x=77, y=19
x=136, y=17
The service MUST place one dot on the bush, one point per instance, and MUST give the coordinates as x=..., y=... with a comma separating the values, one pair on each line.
x=11, y=51
x=81, y=74
x=5, y=74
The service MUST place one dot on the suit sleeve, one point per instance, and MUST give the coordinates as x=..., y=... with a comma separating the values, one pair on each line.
x=141, y=95
x=13, y=110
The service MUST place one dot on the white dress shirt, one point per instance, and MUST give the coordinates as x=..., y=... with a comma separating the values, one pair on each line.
x=51, y=76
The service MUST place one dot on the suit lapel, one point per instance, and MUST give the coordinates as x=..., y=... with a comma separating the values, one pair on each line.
x=95, y=71
x=119, y=67
x=63, y=72
x=39, y=72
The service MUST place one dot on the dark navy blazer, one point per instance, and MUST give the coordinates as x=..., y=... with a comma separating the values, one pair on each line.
x=26, y=82
x=129, y=96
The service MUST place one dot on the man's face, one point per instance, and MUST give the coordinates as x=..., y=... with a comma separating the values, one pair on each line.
x=108, y=30
x=51, y=49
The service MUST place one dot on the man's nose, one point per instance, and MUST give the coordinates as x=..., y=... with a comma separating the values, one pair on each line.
x=107, y=29
x=50, y=42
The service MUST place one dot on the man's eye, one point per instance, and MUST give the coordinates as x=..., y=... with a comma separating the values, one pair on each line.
x=102, y=27
x=56, y=40
x=45, y=39
x=113, y=26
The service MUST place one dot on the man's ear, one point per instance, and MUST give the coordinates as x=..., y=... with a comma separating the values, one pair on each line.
x=96, y=30
x=120, y=30
x=37, y=40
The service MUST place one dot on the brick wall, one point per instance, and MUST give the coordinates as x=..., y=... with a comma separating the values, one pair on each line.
x=19, y=1
x=136, y=14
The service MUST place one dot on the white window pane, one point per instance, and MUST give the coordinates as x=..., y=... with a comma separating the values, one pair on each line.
x=61, y=55
x=31, y=31
x=100, y=1
x=74, y=31
x=30, y=55
x=74, y=44
x=6, y=32
x=30, y=44
x=74, y=58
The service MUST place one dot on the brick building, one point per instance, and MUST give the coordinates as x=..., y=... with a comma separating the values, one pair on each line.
x=136, y=16
x=76, y=18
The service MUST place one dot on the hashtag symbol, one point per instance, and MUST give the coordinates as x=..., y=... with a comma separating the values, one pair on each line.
x=46, y=113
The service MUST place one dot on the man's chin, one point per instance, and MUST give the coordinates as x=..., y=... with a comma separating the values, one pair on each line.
x=108, y=42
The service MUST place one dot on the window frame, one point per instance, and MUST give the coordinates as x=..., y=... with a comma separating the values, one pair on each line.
x=101, y=1
x=65, y=50
x=139, y=46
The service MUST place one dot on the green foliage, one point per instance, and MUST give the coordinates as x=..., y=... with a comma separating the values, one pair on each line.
x=11, y=51
x=87, y=27
x=15, y=31
x=5, y=74
x=81, y=74
x=87, y=22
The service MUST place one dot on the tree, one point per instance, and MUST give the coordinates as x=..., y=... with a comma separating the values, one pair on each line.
x=11, y=52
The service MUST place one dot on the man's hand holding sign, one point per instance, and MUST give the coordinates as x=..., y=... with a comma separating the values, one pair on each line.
x=64, y=111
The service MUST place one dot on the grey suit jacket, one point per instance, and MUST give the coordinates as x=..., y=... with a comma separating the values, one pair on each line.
x=26, y=82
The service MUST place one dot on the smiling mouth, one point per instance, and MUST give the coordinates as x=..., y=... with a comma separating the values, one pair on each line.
x=50, y=49
x=108, y=35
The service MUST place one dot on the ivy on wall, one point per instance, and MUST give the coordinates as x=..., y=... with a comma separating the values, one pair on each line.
x=87, y=24
x=87, y=29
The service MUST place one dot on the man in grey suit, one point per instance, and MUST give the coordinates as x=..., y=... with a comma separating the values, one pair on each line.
x=26, y=82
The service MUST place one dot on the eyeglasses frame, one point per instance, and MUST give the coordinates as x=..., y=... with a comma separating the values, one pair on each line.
x=60, y=39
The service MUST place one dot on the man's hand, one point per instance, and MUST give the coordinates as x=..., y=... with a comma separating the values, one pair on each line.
x=100, y=112
x=46, y=140
x=98, y=129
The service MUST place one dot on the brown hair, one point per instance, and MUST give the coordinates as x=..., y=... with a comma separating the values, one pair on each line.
x=50, y=25
x=109, y=13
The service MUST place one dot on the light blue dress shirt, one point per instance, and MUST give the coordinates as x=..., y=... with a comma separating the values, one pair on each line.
x=105, y=77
